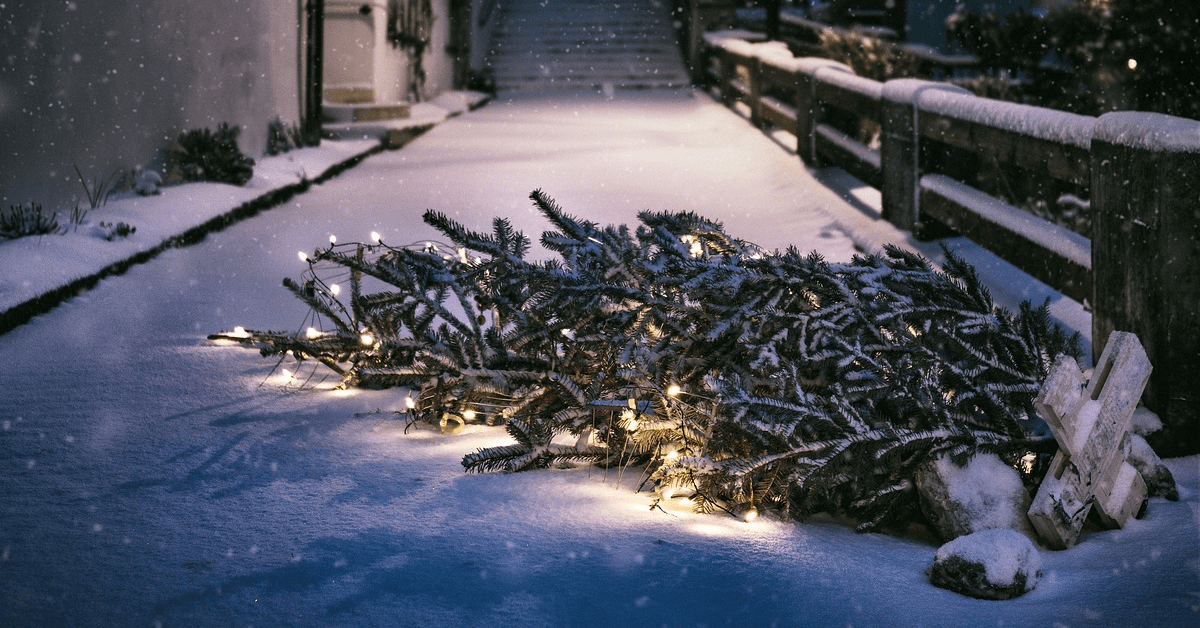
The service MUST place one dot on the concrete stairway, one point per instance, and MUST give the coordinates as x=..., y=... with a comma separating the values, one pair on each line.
x=586, y=44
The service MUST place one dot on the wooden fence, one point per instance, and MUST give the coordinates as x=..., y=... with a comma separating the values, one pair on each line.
x=930, y=147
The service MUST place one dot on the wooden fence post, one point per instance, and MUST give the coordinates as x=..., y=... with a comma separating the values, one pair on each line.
x=900, y=150
x=808, y=109
x=704, y=15
x=1146, y=258
x=756, y=92
x=726, y=69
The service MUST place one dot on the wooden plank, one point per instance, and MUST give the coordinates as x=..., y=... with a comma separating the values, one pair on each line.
x=1064, y=162
x=778, y=114
x=777, y=80
x=850, y=155
x=1048, y=252
x=1091, y=426
x=862, y=102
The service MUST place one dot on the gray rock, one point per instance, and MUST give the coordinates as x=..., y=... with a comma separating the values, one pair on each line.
x=983, y=495
x=998, y=564
x=1159, y=480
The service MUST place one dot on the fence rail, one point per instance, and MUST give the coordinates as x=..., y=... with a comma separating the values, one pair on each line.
x=926, y=146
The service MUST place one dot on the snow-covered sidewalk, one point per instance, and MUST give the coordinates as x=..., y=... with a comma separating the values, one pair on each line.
x=152, y=478
x=37, y=273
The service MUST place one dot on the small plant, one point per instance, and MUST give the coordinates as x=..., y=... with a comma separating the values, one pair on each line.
x=78, y=217
x=26, y=220
x=100, y=189
x=204, y=155
x=283, y=137
x=111, y=231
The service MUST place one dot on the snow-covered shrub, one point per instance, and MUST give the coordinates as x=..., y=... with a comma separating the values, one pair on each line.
x=204, y=155
x=741, y=378
x=112, y=230
x=283, y=137
x=28, y=219
x=868, y=56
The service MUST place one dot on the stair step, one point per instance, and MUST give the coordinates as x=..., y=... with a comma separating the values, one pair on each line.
x=586, y=43
x=342, y=112
x=346, y=95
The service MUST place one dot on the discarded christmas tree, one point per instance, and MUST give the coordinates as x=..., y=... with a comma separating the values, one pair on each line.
x=741, y=378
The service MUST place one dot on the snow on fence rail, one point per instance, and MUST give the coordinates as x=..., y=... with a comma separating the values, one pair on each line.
x=1140, y=269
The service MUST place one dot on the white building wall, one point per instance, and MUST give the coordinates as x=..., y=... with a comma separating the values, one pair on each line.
x=439, y=68
x=485, y=16
x=107, y=84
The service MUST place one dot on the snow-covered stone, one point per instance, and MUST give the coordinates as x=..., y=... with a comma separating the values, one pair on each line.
x=1158, y=478
x=147, y=182
x=991, y=564
x=1145, y=422
x=984, y=494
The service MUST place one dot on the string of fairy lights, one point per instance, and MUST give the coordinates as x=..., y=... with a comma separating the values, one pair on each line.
x=325, y=279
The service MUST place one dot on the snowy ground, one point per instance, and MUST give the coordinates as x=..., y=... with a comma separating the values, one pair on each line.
x=151, y=478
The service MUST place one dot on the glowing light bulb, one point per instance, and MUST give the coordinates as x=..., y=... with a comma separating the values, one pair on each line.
x=332, y=239
x=302, y=255
x=335, y=289
x=240, y=332
x=468, y=414
x=376, y=238
x=750, y=513
x=668, y=492
x=409, y=403
x=1132, y=64
x=630, y=419
x=312, y=332
x=1027, y=462
x=367, y=339
x=673, y=390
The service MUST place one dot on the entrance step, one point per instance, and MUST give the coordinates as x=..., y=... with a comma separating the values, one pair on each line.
x=349, y=112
